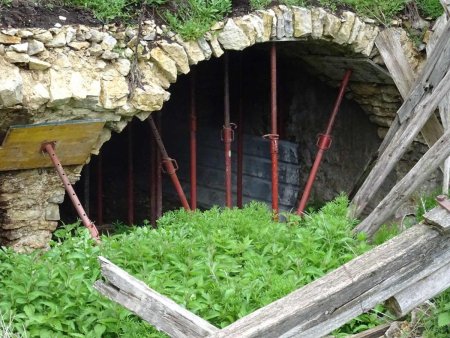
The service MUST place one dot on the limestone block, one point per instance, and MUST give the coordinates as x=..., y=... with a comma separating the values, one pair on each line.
x=44, y=37
x=95, y=50
x=57, y=197
x=28, y=214
x=60, y=91
x=37, y=64
x=345, y=31
x=79, y=45
x=267, y=18
x=37, y=96
x=9, y=39
x=165, y=63
x=232, y=37
x=96, y=36
x=205, y=47
x=52, y=212
x=20, y=48
x=108, y=42
x=258, y=24
x=123, y=66
x=332, y=25
x=25, y=33
x=11, y=85
x=302, y=22
x=288, y=21
x=127, y=110
x=35, y=47
x=217, y=51
x=150, y=98
x=318, y=15
x=247, y=27
x=2, y=49
x=31, y=240
x=274, y=23
x=15, y=57
x=151, y=74
x=357, y=26
x=104, y=137
x=58, y=41
x=178, y=54
x=366, y=39
x=114, y=90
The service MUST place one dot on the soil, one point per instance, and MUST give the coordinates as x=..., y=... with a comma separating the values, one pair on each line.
x=26, y=13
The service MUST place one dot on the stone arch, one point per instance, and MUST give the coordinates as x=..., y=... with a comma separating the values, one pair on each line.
x=78, y=72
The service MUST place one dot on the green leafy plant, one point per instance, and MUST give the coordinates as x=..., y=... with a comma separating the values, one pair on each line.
x=221, y=264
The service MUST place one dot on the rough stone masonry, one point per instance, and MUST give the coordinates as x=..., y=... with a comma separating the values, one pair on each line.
x=79, y=72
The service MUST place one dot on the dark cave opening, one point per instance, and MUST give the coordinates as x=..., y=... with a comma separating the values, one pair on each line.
x=304, y=105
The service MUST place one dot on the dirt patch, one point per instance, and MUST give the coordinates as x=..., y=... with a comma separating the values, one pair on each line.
x=20, y=14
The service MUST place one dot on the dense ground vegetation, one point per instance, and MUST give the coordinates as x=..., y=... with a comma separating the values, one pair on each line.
x=192, y=18
x=220, y=264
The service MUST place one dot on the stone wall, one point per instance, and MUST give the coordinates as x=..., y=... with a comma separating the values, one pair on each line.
x=109, y=73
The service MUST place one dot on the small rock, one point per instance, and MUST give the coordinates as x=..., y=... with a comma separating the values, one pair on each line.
x=2, y=49
x=96, y=49
x=23, y=33
x=15, y=57
x=37, y=64
x=78, y=45
x=20, y=48
x=57, y=25
x=58, y=41
x=35, y=47
x=9, y=39
x=12, y=31
x=70, y=34
x=150, y=36
x=109, y=55
x=128, y=53
x=96, y=36
x=62, y=18
x=108, y=42
x=123, y=66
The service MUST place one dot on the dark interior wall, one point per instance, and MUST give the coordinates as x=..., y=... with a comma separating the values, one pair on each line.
x=304, y=104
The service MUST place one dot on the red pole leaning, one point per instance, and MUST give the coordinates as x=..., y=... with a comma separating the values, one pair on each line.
x=240, y=143
x=99, y=190
x=130, y=189
x=49, y=149
x=153, y=170
x=193, y=144
x=158, y=173
x=169, y=164
x=273, y=136
x=323, y=143
x=227, y=134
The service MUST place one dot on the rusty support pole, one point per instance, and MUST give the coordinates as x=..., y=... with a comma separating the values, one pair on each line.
x=169, y=164
x=227, y=134
x=50, y=150
x=240, y=141
x=273, y=136
x=86, y=188
x=193, y=144
x=99, y=190
x=158, y=172
x=323, y=144
x=152, y=174
x=130, y=185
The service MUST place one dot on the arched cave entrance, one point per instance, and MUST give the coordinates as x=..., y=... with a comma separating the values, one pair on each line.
x=305, y=101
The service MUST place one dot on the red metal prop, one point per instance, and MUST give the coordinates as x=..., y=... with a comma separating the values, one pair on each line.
x=323, y=144
x=50, y=150
x=193, y=144
x=273, y=136
x=227, y=135
x=169, y=163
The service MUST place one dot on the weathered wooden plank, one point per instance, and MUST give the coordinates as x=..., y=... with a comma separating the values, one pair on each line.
x=399, y=145
x=446, y=5
x=406, y=300
x=158, y=310
x=375, y=332
x=407, y=185
x=348, y=291
x=439, y=218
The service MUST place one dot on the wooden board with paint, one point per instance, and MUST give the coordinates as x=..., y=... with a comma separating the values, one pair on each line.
x=74, y=140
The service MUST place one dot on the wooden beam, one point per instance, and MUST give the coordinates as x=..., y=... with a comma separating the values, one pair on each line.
x=446, y=5
x=354, y=288
x=158, y=310
x=406, y=300
x=431, y=87
x=407, y=185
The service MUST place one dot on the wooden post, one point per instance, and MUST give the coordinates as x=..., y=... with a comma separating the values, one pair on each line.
x=403, y=189
x=151, y=306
